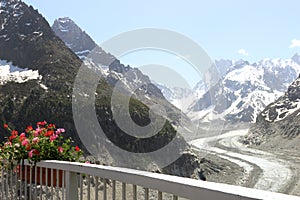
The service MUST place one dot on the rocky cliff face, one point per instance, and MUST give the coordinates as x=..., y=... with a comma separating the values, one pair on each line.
x=80, y=42
x=278, y=123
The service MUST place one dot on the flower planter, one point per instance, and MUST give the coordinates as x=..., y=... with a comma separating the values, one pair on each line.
x=41, y=176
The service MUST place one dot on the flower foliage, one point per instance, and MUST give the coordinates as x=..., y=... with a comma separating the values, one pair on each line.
x=45, y=142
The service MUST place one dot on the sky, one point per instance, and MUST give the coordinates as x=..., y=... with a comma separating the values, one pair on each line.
x=225, y=29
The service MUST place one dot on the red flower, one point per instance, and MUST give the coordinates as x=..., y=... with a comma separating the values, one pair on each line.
x=22, y=137
x=14, y=133
x=40, y=124
x=49, y=133
x=5, y=126
x=77, y=148
x=51, y=126
x=28, y=147
x=28, y=129
x=12, y=137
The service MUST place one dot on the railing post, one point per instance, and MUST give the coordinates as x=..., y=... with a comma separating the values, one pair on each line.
x=71, y=186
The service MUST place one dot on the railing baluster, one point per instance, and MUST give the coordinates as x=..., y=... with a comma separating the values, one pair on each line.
x=105, y=190
x=21, y=175
x=30, y=182
x=146, y=193
x=160, y=195
x=11, y=184
x=113, y=190
x=51, y=179
x=63, y=184
x=123, y=191
x=46, y=181
x=16, y=182
x=96, y=187
x=2, y=184
x=57, y=183
x=89, y=187
x=25, y=182
x=81, y=186
x=35, y=182
x=5, y=184
x=134, y=188
x=41, y=182
x=72, y=186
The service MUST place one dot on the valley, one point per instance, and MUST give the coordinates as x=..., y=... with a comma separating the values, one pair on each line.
x=261, y=169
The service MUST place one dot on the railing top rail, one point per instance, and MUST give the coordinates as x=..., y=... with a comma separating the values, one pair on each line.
x=183, y=187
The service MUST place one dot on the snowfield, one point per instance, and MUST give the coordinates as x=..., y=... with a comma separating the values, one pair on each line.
x=276, y=173
x=11, y=73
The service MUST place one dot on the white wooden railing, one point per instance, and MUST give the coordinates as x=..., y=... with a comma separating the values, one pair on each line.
x=88, y=181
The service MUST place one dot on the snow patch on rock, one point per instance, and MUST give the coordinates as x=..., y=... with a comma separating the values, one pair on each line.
x=11, y=73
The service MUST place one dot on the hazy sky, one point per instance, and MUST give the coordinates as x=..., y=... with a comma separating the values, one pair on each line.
x=231, y=29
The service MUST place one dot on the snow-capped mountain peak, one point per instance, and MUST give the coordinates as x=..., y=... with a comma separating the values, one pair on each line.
x=245, y=89
x=296, y=58
x=74, y=37
x=249, y=88
x=64, y=24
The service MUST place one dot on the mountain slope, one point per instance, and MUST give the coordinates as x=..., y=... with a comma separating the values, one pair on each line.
x=278, y=123
x=29, y=43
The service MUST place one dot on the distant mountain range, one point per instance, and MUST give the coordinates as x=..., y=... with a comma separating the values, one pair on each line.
x=244, y=90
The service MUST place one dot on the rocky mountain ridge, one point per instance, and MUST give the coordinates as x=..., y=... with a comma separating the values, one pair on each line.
x=278, y=124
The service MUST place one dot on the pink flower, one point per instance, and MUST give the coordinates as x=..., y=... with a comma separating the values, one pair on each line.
x=35, y=140
x=37, y=132
x=7, y=144
x=59, y=131
x=53, y=137
x=60, y=149
x=87, y=162
x=33, y=151
x=30, y=153
x=25, y=142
